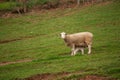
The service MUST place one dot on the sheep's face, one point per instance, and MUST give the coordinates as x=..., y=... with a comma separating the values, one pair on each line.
x=62, y=35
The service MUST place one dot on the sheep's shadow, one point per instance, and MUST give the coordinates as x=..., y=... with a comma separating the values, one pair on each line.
x=69, y=54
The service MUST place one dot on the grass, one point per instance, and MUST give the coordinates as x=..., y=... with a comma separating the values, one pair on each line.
x=12, y=5
x=6, y=6
x=49, y=53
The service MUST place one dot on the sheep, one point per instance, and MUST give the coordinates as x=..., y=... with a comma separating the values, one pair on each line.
x=78, y=41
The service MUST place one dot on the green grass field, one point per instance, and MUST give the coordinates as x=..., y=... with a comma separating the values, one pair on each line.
x=36, y=36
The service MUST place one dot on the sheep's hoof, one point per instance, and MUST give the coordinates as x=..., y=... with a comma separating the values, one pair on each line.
x=88, y=53
x=72, y=55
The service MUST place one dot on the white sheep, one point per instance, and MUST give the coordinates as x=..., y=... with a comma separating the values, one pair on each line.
x=78, y=41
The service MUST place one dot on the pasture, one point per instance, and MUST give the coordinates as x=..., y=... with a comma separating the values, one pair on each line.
x=32, y=42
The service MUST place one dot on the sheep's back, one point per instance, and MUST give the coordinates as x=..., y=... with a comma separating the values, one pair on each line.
x=80, y=38
x=77, y=38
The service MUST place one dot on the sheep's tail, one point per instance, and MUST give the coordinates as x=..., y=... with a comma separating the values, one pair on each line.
x=89, y=39
x=91, y=35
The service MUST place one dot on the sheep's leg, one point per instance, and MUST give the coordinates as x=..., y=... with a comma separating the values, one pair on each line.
x=76, y=50
x=72, y=52
x=73, y=49
x=82, y=50
x=89, y=49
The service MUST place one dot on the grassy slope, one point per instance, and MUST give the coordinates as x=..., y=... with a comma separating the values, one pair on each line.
x=49, y=52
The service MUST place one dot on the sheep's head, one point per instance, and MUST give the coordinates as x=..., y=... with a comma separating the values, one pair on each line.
x=63, y=34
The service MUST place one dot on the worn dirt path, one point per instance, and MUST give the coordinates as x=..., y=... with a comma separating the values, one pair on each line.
x=14, y=62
